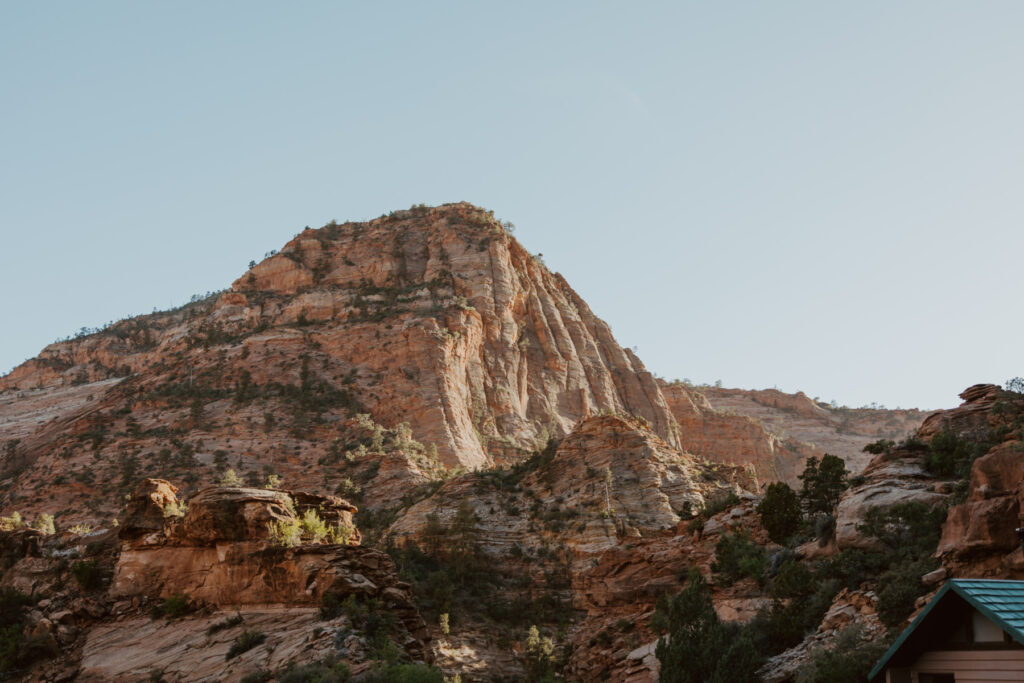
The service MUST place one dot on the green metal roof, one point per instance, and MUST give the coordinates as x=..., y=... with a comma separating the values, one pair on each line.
x=1000, y=601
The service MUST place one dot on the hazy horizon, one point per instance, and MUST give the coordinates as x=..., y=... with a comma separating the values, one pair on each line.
x=814, y=198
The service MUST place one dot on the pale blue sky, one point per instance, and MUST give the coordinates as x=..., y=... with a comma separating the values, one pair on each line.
x=817, y=196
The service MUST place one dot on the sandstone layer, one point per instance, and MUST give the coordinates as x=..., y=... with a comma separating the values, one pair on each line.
x=226, y=579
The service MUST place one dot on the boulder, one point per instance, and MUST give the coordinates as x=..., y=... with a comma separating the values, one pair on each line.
x=227, y=513
x=987, y=521
x=972, y=419
x=332, y=510
x=145, y=512
x=890, y=481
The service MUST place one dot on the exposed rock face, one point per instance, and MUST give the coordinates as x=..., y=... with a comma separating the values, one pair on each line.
x=611, y=509
x=133, y=648
x=849, y=609
x=732, y=438
x=432, y=317
x=978, y=537
x=889, y=479
x=972, y=419
x=624, y=583
x=369, y=360
x=205, y=556
x=436, y=317
x=775, y=431
x=987, y=521
x=233, y=514
x=146, y=510
x=611, y=477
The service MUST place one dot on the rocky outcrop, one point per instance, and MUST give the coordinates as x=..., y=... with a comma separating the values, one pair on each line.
x=435, y=317
x=850, y=610
x=619, y=590
x=890, y=479
x=226, y=577
x=980, y=535
x=148, y=507
x=972, y=419
x=730, y=438
x=134, y=648
x=777, y=431
x=234, y=514
x=609, y=512
x=610, y=478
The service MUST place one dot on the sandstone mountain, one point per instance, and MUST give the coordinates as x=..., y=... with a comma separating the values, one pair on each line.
x=519, y=467
x=462, y=348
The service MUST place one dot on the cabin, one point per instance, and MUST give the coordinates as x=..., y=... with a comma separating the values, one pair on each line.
x=971, y=631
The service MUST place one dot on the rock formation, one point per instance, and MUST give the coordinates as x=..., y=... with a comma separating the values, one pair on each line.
x=223, y=576
x=774, y=431
x=424, y=368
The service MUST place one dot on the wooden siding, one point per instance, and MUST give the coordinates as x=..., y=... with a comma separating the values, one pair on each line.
x=972, y=666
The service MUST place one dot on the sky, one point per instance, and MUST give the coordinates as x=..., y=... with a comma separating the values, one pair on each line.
x=817, y=197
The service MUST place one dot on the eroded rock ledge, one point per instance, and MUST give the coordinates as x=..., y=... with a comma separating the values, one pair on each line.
x=220, y=563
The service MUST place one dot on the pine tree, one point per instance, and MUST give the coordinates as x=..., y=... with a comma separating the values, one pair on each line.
x=780, y=511
x=699, y=648
x=823, y=483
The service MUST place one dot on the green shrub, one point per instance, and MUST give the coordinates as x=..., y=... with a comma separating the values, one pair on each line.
x=852, y=566
x=87, y=573
x=403, y=673
x=368, y=615
x=10, y=644
x=15, y=649
x=312, y=526
x=229, y=622
x=793, y=580
x=780, y=512
x=172, y=607
x=699, y=647
x=720, y=504
x=737, y=556
x=779, y=626
x=823, y=482
x=880, y=446
x=540, y=656
x=327, y=671
x=12, y=523
x=286, y=532
x=44, y=523
x=247, y=640
x=11, y=602
x=949, y=455
x=331, y=605
x=850, y=661
x=905, y=529
x=899, y=587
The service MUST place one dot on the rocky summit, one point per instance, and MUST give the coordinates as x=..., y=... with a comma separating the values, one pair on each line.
x=405, y=448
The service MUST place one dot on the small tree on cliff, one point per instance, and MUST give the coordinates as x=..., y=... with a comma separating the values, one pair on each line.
x=780, y=511
x=823, y=483
x=699, y=648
